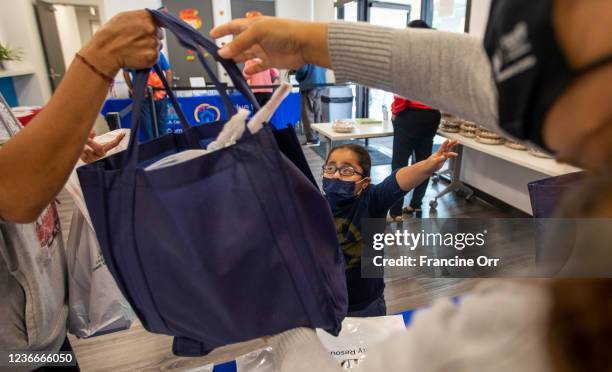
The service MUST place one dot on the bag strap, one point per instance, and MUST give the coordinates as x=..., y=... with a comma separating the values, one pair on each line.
x=191, y=39
x=197, y=42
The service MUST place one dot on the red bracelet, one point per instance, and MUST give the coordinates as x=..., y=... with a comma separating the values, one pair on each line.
x=93, y=68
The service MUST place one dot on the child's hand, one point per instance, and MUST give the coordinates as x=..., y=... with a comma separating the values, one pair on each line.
x=437, y=159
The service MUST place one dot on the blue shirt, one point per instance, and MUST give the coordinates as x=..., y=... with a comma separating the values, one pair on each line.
x=163, y=63
x=311, y=74
x=374, y=202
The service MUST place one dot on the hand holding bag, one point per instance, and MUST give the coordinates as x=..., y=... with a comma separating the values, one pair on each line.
x=226, y=247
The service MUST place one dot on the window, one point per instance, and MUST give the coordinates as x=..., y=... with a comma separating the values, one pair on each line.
x=450, y=15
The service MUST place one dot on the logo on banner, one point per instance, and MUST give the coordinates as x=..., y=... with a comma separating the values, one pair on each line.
x=206, y=113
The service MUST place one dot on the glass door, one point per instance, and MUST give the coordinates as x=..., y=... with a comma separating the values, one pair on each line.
x=396, y=14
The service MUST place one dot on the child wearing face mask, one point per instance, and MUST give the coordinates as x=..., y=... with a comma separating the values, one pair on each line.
x=352, y=198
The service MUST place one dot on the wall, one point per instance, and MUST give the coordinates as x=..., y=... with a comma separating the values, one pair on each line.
x=85, y=20
x=18, y=27
x=323, y=10
x=112, y=7
x=479, y=17
x=302, y=9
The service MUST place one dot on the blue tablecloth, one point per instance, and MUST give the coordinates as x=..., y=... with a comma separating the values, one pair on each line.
x=209, y=108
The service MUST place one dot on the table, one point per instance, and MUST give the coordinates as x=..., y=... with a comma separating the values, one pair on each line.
x=548, y=167
x=209, y=108
x=362, y=131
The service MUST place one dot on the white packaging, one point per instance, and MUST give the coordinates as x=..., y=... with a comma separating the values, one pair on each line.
x=357, y=336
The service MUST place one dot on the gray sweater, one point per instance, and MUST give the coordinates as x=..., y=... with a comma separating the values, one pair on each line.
x=499, y=327
x=448, y=71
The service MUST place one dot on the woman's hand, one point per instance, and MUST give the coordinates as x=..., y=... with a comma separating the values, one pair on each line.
x=129, y=40
x=276, y=42
x=94, y=151
x=436, y=161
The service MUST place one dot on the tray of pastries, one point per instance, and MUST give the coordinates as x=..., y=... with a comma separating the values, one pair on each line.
x=515, y=145
x=468, y=129
x=343, y=126
x=489, y=138
x=450, y=125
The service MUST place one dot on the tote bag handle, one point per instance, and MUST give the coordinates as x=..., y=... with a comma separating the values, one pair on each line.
x=191, y=39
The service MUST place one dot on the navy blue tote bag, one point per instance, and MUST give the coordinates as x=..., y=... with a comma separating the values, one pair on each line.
x=227, y=247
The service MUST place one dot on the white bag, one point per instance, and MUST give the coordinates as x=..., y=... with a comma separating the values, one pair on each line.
x=357, y=335
x=96, y=306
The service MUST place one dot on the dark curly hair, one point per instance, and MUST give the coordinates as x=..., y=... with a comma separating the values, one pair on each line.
x=363, y=156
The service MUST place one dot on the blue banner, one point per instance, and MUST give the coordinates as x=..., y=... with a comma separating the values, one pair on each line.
x=206, y=109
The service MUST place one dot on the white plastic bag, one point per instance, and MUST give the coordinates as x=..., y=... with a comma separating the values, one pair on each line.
x=232, y=130
x=357, y=336
x=96, y=306
x=261, y=360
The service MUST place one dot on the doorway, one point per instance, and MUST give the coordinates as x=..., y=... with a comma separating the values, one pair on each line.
x=64, y=29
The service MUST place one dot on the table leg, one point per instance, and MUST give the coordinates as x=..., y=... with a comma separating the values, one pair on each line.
x=367, y=142
x=456, y=184
x=330, y=145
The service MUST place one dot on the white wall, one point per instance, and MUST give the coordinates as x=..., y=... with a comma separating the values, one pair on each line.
x=18, y=27
x=112, y=7
x=323, y=10
x=479, y=17
x=300, y=9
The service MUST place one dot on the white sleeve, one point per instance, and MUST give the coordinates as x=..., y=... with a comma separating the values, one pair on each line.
x=500, y=327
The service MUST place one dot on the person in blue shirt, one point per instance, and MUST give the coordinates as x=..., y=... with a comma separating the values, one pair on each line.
x=307, y=76
x=159, y=96
x=352, y=198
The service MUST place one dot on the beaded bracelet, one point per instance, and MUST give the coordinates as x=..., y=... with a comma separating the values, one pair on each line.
x=106, y=78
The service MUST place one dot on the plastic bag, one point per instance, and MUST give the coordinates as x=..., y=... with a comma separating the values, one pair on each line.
x=95, y=304
x=357, y=335
x=261, y=360
x=231, y=132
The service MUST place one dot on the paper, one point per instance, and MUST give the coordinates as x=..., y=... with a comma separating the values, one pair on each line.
x=266, y=112
x=198, y=82
x=357, y=336
x=232, y=132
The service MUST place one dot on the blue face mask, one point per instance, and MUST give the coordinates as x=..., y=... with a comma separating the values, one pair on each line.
x=340, y=191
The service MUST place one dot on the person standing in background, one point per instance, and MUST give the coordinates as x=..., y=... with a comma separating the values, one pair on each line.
x=267, y=77
x=308, y=76
x=159, y=96
x=414, y=128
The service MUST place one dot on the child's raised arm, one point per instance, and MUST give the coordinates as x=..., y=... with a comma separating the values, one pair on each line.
x=412, y=176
